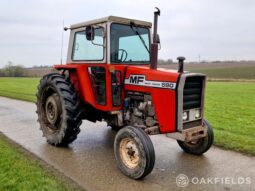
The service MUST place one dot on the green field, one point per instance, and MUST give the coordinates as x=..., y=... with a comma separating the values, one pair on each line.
x=227, y=73
x=225, y=70
x=18, y=173
x=19, y=88
x=230, y=108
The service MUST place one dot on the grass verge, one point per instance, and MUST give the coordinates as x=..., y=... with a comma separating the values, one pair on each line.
x=19, y=173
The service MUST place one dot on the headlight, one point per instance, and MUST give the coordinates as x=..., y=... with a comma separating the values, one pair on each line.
x=197, y=114
x=185, y=116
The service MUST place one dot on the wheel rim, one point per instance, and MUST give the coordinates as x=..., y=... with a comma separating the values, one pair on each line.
x=129, y=153
x=52, y=109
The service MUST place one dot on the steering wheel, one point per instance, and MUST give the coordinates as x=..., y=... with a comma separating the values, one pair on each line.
x=123, y=55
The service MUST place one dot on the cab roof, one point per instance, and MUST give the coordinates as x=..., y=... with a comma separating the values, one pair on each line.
x=111, y=19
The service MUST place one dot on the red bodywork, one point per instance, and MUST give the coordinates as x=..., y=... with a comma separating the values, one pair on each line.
x=164, y=100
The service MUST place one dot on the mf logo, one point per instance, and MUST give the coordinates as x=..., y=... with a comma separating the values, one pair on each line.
x=136, y=79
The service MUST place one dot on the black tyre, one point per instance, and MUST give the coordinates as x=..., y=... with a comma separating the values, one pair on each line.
x=115, y=128
x=58, y=109
x=134, y=152
x=199, y=146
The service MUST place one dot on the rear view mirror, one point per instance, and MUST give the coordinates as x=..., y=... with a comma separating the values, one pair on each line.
x=90, y=33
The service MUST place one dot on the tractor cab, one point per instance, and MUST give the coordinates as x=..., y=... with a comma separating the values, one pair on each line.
x=112, y=40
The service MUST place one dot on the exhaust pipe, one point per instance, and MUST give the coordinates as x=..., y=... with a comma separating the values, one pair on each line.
x=154, y=45
x=155, y=24
x=154, y=56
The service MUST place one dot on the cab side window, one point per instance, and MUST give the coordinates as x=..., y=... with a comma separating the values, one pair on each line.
x=97, y=79
x=85, y=50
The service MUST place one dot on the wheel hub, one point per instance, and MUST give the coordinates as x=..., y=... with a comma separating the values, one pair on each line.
x=129, y=153
x=52, y=110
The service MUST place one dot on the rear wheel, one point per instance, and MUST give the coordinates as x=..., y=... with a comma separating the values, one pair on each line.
x=199, y=146
x=134, y=152
x=58, y=109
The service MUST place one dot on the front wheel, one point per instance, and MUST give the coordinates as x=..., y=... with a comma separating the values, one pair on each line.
x=134, y=152
x=199, y=146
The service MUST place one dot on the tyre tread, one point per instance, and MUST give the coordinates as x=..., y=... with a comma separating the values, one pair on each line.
x=71, y=104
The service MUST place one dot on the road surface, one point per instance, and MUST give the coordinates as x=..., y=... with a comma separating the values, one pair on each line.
x=90, y=162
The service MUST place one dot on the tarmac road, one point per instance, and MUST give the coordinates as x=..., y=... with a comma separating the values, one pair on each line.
x=90, y=162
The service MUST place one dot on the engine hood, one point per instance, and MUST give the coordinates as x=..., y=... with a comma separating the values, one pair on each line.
x=157, y=78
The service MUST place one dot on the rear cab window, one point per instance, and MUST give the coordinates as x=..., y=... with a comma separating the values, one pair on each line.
x=85, y=50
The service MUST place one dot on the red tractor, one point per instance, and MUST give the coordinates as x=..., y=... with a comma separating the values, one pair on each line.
x=111, y=74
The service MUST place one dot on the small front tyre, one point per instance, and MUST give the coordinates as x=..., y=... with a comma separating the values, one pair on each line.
x=199, y=146
x=134, y=152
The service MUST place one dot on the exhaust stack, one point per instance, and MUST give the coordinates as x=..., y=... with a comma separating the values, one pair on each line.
x=154, y=45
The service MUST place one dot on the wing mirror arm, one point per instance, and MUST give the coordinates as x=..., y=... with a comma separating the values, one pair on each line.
x=90, y=35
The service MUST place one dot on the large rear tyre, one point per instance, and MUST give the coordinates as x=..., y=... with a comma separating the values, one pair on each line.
x=199, y=146
x=134, y=152
x=58, y=109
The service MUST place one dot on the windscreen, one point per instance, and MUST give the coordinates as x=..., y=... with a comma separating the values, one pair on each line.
x=129, y=44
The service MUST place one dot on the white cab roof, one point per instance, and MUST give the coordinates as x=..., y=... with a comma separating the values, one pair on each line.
x=111, y=19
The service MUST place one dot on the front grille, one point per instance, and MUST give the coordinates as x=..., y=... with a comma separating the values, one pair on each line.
x=192, y=93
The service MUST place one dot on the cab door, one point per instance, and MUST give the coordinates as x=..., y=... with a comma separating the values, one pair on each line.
x=97, y=76
x=107, y=87
x=116, y=86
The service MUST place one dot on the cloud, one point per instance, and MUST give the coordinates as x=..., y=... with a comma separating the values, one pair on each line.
x=31, y=30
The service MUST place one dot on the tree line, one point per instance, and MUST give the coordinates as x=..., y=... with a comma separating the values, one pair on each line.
x=11, y=70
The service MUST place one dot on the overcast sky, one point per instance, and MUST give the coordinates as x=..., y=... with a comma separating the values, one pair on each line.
x=30, y=32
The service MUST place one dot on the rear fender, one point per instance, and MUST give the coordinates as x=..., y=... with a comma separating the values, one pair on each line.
x=73, y=76
x=79, y=77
